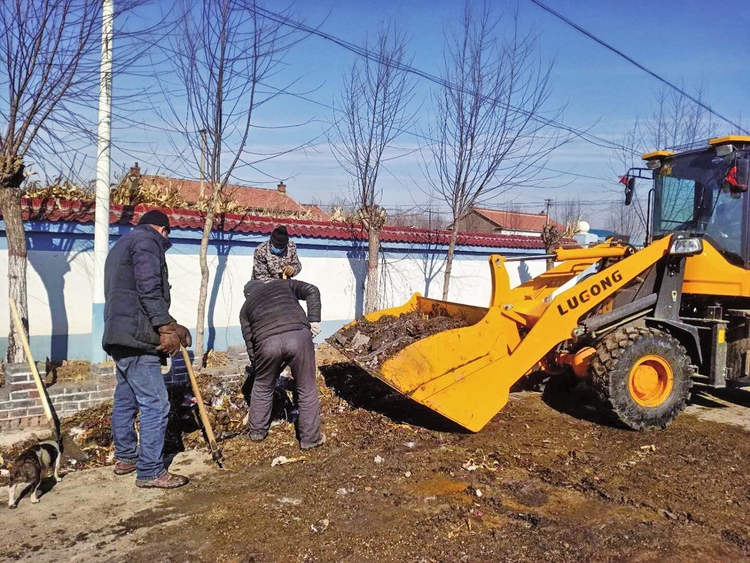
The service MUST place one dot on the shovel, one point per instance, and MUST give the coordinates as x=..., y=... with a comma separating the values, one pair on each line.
x=215, y=451
x=66, y=443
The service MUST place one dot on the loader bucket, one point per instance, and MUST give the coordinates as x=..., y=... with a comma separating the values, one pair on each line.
x=457, y=373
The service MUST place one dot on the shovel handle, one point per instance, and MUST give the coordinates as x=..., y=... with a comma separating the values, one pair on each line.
x=215, y=453
x=32, y=364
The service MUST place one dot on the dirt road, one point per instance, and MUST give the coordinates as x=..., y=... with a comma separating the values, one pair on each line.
x=542, y=482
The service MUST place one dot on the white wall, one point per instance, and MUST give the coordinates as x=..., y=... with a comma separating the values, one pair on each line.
x=60, y=287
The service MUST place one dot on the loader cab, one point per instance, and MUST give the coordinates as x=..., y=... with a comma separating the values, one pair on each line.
x=703, y=191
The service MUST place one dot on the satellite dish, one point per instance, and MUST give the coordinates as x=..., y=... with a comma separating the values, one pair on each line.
x=583, y=227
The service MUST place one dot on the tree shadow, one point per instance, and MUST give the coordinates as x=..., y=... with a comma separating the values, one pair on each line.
x=524, y=273
x=431, y=261
x=222, y=241
x=50, y=254
x=363, y=391
x=358, y=263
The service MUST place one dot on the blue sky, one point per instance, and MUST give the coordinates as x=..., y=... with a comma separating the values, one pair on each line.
x=691, y=42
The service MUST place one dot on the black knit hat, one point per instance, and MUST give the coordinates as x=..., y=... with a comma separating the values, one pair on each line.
x=279, y=237
x=154, y=217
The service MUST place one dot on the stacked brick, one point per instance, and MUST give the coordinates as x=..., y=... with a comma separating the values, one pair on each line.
x=20, y=405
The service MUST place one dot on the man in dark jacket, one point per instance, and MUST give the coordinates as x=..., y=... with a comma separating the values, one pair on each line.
x=277, y=331
x=139, y=333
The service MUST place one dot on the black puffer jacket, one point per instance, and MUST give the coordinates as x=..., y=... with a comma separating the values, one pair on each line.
x=136, y=292
x=272, y=307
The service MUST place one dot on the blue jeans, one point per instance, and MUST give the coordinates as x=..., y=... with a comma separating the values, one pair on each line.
x=140, y=387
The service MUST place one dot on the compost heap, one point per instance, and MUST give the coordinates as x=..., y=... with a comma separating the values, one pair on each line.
x=372, y=343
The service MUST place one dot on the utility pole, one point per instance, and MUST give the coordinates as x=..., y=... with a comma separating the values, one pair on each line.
x=203, y=161
x=101, y=217
x=547, y=205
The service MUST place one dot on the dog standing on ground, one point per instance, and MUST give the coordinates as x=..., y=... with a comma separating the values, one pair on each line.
x=31, y=467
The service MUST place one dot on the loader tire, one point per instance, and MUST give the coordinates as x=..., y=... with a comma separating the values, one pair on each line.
x=643, y=376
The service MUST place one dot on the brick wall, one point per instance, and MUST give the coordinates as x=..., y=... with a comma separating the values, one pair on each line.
x=21, y=407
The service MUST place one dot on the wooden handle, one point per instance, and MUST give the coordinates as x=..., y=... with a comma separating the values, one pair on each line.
x=199, y=398
x=32, y=365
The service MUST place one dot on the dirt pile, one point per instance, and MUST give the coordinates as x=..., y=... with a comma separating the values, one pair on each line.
x=371, y=343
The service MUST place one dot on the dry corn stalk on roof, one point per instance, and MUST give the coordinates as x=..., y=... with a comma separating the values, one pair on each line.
x=154, y=194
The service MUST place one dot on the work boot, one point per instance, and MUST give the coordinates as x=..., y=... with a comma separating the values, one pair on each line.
x=124, y=467
x=257, y=436
x=319, y=442
x=166, y=480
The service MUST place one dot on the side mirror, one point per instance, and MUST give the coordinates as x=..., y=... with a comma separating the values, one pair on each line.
x=629, y=190
x=742, y=176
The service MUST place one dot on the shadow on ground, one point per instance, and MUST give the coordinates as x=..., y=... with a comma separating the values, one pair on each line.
x=361, y=390
x=569, y=395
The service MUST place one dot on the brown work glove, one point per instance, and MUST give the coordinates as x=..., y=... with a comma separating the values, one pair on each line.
x=184, y=334
x=169, y=339
x=287, y=272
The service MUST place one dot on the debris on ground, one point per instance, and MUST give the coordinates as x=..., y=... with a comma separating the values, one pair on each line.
x=283, y=460
x=371, y=343
x=320, y=526
x=214, y=359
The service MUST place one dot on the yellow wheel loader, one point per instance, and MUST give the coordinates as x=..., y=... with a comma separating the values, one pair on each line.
x=639, y=325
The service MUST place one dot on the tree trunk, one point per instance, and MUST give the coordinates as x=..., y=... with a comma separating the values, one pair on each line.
x=449, y=262
x=203, y=292
x=10, y=203
x=373, y=270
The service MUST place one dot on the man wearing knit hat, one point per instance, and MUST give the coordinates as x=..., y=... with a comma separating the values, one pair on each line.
x=139, y=333
x=276, y=258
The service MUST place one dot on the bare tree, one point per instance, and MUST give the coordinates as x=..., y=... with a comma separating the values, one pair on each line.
x=569, y=213
x=222, y=52
x=373, y=105
x=48, y=65
x=623, y=220
x=488, y=134
x=675, y=121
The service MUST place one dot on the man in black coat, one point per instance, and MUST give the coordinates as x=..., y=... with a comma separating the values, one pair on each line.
x=277, y=331
x=139, y=333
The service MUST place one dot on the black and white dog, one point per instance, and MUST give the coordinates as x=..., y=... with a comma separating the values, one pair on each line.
x=31, y=467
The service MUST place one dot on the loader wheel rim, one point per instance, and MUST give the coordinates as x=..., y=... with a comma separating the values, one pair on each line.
x=651, y=381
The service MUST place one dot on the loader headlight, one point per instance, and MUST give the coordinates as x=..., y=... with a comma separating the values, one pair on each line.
x=686, y=246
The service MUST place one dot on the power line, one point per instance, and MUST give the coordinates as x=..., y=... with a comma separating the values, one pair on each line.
x=365, y=53
x=639, y=65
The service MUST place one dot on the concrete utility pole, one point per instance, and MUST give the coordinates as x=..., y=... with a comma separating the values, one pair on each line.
x=547, y=205
x=101, y=217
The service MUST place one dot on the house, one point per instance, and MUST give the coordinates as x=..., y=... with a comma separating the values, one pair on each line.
x=488, y=221
x=234, y=198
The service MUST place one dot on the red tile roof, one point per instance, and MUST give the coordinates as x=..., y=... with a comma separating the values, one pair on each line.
x=83, y=212
x=515, y=220
x=246, y=196
x=315, y=213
